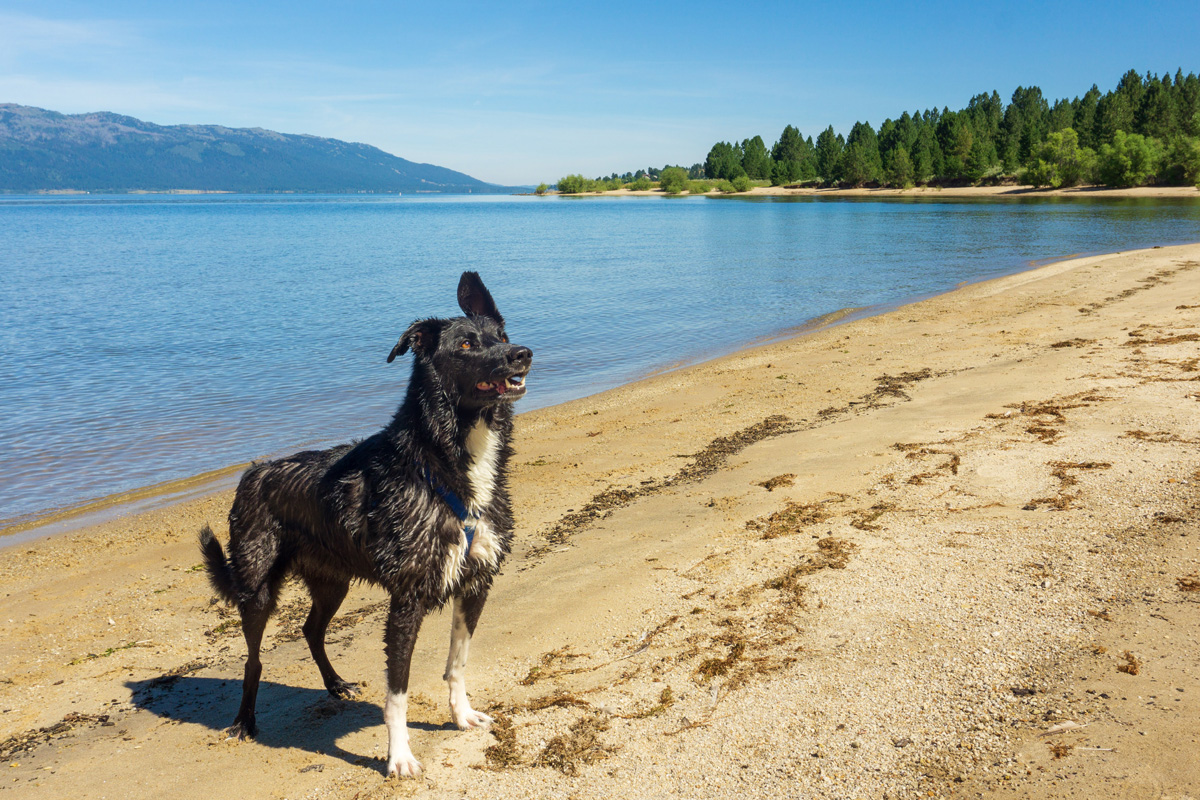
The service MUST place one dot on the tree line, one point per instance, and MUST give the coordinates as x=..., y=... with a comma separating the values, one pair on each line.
x=1145, y=130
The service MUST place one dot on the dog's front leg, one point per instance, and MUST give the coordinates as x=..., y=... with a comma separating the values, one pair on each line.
x=404, y=620
x=462, y=627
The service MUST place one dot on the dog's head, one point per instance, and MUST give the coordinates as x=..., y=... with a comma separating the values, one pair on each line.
x=470, y=355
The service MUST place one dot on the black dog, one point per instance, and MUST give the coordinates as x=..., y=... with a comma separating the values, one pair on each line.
x=421, y=508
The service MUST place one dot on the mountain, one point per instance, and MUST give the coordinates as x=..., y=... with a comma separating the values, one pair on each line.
x=101, y=152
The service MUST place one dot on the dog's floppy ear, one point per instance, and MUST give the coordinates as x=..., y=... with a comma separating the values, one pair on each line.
x=474, y=298
x=421, y=337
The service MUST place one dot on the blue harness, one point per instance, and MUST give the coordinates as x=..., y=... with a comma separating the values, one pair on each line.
x=469, y=519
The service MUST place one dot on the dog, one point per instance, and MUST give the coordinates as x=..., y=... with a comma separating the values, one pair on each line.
x=420, y=508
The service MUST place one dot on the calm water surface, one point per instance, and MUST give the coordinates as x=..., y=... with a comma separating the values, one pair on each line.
x=147, y=339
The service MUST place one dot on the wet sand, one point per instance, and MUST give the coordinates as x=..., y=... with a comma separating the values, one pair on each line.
x=882, y=559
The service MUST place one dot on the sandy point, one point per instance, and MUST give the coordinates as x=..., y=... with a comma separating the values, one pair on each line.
x=955, y=192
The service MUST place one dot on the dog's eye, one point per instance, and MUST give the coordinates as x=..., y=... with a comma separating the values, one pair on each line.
x=465, y=345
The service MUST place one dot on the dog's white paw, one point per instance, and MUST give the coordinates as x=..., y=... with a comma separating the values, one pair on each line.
x=472, y=719
x=404, y=766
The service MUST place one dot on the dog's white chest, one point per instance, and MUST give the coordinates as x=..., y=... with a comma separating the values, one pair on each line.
x=483, y=448
x=483, y=451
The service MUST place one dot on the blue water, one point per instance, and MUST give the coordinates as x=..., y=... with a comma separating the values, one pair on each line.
x=146, y=339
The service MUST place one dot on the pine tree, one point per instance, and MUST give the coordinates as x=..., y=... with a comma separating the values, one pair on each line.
x=829, y=152
x=756, y=161
x=1085, y=117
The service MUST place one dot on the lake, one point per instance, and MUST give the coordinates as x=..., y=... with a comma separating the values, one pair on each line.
x=152, y=338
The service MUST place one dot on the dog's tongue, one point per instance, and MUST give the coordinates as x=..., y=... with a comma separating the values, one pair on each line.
x=485, y=386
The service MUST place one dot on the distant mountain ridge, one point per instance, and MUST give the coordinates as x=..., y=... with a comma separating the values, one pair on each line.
x=44, y=150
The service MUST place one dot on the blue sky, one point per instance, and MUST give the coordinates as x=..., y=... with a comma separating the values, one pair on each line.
x=522, y=92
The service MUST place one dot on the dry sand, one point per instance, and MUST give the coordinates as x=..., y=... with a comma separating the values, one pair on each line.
x=883, y=559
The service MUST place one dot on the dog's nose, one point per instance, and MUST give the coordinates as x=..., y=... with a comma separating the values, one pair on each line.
x=519, y=356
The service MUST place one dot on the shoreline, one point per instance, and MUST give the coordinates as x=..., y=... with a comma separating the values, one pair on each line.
x=98, y=510
x=882, y=558
x=221, y=480
x=951, y=192
x=111, y=507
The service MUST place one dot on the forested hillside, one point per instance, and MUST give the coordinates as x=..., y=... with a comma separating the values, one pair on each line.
x=1145, y=130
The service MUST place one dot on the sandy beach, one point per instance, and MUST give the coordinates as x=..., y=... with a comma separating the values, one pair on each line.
x=961, y=192
x=946, y=551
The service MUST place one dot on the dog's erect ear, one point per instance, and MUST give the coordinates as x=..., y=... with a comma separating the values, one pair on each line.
x=474, y=298
x=421, y=337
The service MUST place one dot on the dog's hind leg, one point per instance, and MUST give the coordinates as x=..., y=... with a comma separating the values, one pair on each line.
x=462, y=628
x=404, y=620
x=327, y=597
x=255, y=611
x=254, y=620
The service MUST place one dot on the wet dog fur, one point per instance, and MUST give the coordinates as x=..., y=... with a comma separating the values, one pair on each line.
x=383, y=510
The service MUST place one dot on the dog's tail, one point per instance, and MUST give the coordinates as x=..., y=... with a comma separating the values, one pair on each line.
x=220, y=575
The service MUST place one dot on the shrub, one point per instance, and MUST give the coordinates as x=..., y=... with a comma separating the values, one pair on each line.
x=541, y=188
x=1060, y=161
x=741, y=183
x=699, y=187
x=573, y=184
x=1181, y=167
x=725, y=187
x=642, y=184
x=673, y=180
x=1131, y=160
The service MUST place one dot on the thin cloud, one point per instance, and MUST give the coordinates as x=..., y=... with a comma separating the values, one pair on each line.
x=24, y=35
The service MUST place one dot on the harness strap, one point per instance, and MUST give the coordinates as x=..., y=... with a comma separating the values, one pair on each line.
x=468, y=518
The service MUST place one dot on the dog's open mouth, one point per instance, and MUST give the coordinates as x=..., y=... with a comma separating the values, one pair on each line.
x=513, y=384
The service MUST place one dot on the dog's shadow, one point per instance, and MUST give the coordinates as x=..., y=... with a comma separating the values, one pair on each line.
x=288, y=716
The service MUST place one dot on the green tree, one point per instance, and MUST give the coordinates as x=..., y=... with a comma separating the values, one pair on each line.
x=1181, y=166
x=1155, y=114
x=926, y=155
x=573, y=184
x=1060, y=161
x=829, y=153
x=1085, y=117
x=541, y=189
x=756, y=160
x=1062, y=115
x=980, y=159
x=724, y=161
x=1131, y=87
x=862, y=150
x=673, y=180
x=1130, y=160
x=1187, y=102
x=898, y=168
x=985, y=114
x=956, y=138
x=789, y=147
x=1026, y=122
x=785, y=173
x=1113, y=113
x=794, y=158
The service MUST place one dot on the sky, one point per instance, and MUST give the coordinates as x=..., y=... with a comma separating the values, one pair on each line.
x=523, y=92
